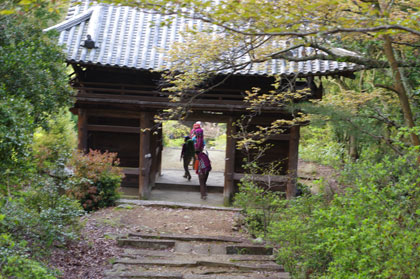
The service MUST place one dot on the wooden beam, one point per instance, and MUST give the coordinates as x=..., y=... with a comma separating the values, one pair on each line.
x=145, y=154
x=229, y=186
x=293, y=161
x=264, y=178
x=82, y=130
x=136, y=93
x=280, y=137
x=132, y=171
x=114, y=113
x=157, y=103
x=114, y=129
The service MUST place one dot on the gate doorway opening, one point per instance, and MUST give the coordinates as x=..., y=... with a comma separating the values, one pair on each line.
x=171, y=183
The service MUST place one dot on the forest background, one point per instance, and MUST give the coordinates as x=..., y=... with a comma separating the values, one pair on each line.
x=366, y=127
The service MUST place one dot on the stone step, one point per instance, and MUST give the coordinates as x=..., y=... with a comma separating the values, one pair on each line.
x=192, y=263
x=276, y=275
x=187, y=187
x=249, y=250
x=142, y=253
x=145, y=243
x=187, y=237
x=219, y=275
x=143, y=275
x=176, y=205
x=200, y=248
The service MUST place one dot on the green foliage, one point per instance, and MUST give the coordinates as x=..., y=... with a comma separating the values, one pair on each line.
x=41, y=216
x=260, y=206
x=15, y=136
x=318, y=145
x=20, y=267
x=174, y=133
x=32, y=221
x=35, y=215
x=55, y=143
x=370, y=231
x=218, y=143
x=173, y=142
x=96, y=179
x=33, y=85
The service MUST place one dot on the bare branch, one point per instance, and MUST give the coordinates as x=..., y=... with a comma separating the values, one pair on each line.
x=390, y=88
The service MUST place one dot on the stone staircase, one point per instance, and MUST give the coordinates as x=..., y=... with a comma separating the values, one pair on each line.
x=193, y=257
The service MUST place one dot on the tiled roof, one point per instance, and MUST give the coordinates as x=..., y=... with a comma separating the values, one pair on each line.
x=132, y=38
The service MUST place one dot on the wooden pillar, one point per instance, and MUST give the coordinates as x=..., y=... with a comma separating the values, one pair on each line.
x=160, y=146
x=155, y=150
x=229, y=187
x=82, y=130
x=145, y=155
x=293, y=162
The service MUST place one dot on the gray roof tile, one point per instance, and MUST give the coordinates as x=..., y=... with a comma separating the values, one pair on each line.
x=128, y=37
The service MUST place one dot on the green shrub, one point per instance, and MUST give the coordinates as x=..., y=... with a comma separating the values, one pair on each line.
x=96, y=179
x=32, y=221
x=371, y=231
x=174, y=142
x=318, y=145
x=16, y=125
x=174, y=133
x=260, y=206
x=55, y=143
x=40, y=217
x=20, y=267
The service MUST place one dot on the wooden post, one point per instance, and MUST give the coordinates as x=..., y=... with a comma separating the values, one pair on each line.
x=145, y=155
x=229, y=187
x=154, y=149
x=160, y=146
x=293, y=162
x=82, y=130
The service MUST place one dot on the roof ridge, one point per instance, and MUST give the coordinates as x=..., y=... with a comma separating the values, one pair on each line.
x=72, y=21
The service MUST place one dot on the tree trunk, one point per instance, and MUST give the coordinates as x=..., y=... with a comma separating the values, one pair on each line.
x=353, y=152
x=400, y=88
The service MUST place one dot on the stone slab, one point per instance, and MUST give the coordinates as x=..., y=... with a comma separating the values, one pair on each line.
x=146, y=243
x=141, y=262
x=249, y=250
x=187, y=237
x=144, y=275
x=258, y=267
x=277, y=275
x=186, y=263
x=176, y=205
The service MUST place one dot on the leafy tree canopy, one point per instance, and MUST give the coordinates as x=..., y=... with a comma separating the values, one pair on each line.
x=374, y=34
x=34, y=80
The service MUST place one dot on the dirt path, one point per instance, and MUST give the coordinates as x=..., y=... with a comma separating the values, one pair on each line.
x=90, y=257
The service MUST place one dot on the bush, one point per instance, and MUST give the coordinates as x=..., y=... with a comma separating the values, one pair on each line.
x=96, y=179
x=318, y=145
x=15, y=138
x=174, y=130
x=40, y=217
x=55, y=143
x=371, y=231
x=20, y=267
x=260, y=206
x=31, y=222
